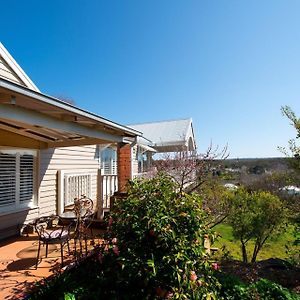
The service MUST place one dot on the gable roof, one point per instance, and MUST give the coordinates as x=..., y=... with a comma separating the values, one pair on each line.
x=169, y=136
x=11, y=70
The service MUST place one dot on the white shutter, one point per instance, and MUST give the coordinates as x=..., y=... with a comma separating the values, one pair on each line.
x=7, y=179
x=26, y=177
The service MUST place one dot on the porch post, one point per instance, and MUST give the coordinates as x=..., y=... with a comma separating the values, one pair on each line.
x=124, y=166
x=100, y=195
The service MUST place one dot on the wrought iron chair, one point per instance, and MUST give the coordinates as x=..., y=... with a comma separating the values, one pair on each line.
x=50, y=233
x=84, y=211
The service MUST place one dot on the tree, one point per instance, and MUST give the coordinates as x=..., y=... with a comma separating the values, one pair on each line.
x=254, y=216
x=190, y=169
x=294, y=153
x=194, y=173
x=293, y=150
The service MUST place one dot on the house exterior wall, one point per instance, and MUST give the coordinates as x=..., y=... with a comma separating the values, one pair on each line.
x=7, y=73
x=49, y=162
x=71, y=159
x=135, y=163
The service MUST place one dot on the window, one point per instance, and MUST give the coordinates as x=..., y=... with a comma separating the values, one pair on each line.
x=109, y=161
x=17, y=170
x=142, y=159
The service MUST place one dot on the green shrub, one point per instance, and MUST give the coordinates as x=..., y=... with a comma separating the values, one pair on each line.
x=269, y=290
x=159, y=234
x=234, y=289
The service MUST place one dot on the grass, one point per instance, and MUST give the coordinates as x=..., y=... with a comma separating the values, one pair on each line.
x=275, y=247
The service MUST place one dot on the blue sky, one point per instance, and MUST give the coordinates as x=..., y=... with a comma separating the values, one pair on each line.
x=230, y=65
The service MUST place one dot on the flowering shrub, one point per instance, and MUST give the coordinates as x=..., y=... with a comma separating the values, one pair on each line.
x=157, y=238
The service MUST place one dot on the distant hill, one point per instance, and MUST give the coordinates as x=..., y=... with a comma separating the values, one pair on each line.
x=267, y=164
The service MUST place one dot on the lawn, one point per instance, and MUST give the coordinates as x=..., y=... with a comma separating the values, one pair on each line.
x=275, y=247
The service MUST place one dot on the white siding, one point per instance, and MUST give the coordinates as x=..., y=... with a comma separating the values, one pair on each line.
x=7, y=73
x=11, y=223
x=68, y=158
x=50, y=161
x=134, y=159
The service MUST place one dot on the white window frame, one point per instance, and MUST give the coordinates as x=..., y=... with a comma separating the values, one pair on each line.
x=17, y=205
x=112, y=163
x=63, y=175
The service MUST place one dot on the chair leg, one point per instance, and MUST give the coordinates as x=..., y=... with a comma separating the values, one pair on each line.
x=46, y=249
x=62, y=254
x=68, y=247
x=85, y=241
x=80, y=245
x=38, y=255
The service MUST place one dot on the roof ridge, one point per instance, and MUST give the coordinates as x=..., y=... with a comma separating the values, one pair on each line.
x=165, y=121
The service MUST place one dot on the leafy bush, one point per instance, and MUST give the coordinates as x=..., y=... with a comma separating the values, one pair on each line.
x=255, y=216
x=263, y=289
x=269, y=290
x=158, y=234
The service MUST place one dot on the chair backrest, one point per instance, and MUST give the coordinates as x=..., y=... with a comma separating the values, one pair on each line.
x=41, y=224
x=47, y=228
x=84, y=206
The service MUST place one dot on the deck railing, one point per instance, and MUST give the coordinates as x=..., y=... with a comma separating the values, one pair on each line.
x=108, y=186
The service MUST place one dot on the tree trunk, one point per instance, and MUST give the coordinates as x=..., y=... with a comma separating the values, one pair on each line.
x=244, y=252
x=255, y=252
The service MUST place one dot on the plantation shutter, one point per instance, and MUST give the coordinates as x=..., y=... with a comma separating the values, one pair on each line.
x=7, y=179
x=26, y=177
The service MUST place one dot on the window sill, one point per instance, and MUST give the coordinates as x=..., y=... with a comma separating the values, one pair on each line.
x=17, y=210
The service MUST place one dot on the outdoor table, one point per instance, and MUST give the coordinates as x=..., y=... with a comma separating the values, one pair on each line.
x=70, y=215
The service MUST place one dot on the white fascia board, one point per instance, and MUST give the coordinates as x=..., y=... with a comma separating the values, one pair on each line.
x=174, y=143
x=190, y=133
x=66, y=106
x=144, y=141
x=11, y=112
x=16, y=68
x=147, y=148
x=187, y=134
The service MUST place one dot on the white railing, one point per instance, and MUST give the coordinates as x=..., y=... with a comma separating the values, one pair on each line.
x=75, y=186
x=108, y=186
x=72, y=184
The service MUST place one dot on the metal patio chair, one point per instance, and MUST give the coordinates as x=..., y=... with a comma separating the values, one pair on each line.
x=84, y=210
x=49, y=232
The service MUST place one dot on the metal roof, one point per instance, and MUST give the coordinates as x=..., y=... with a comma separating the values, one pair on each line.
x=168, y=136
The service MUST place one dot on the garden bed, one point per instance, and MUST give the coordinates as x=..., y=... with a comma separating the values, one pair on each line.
x=275, y=270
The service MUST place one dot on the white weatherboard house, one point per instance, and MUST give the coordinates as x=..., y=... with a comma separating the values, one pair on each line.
x=50, y=151
x=161, y=137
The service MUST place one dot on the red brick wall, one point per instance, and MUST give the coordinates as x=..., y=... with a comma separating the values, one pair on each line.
x=124, y=165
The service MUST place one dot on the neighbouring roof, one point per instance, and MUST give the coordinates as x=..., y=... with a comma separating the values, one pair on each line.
x=169, y=136
x=24, y=110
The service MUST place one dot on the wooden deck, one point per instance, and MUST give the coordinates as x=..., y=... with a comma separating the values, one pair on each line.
x=17, y=264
